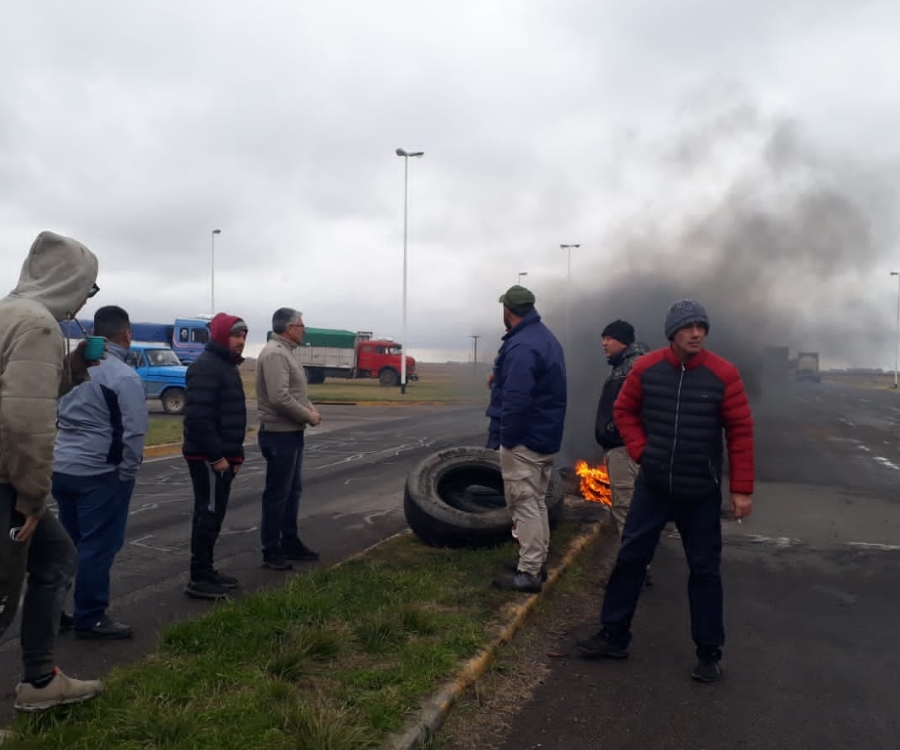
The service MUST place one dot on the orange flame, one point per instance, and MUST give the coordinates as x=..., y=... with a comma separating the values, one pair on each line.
x=595, y=486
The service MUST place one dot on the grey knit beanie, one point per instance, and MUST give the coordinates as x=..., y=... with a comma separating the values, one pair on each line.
x=683, y=313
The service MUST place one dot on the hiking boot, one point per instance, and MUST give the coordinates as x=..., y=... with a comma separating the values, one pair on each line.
x=519, y=581
x=707, y=669
x=66, y=622
x=105, y=629
x=205, y=588
x=299, y=551
x=276, y=561
x=229, y=582
x=60, y=691
x=513, y=566
x=599, y=646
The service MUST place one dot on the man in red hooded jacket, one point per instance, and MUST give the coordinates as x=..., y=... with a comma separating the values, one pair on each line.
x=215, y=423
x=671, y=413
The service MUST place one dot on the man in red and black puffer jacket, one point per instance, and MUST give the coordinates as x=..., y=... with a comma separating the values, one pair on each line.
x=671, y=413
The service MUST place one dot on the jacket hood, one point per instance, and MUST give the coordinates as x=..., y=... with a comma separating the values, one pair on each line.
x=58, y=273
x=220, y=328
x=636, y=349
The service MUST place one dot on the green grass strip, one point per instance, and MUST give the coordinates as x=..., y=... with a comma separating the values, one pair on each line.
x=335, y=660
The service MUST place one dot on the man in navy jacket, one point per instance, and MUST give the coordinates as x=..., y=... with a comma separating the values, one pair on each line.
x=528, y=412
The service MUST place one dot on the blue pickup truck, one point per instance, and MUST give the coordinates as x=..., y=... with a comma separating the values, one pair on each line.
x=162, y=374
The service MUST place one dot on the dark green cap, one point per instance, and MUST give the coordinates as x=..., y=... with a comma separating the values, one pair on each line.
x=517, y=296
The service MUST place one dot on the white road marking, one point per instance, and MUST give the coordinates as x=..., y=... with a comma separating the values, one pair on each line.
x=873, y=545
x=139, y=542
x=887, y=463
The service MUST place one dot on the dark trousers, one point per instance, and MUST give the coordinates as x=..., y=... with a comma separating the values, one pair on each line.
x=94, y=512
x=211, y=492
x=283, y=452
x=699, y=524
x=49, y=560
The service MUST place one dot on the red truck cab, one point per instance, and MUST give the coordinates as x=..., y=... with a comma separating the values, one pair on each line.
x=381, y=358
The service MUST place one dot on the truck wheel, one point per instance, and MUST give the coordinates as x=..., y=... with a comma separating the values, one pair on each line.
x=389, y=377
x=173, y=401
x=314, y=375
x=454, y=498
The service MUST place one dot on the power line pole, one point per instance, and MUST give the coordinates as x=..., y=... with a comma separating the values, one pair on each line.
x=475, y=354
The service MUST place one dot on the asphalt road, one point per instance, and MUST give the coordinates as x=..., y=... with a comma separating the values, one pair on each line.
x=355, y=467
x=812, y=611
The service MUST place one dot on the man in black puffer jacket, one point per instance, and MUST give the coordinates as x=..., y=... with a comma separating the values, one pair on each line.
x=215, y=423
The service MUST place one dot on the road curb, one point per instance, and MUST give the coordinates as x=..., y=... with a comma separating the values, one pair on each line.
x=434, y=711
x=164, y=449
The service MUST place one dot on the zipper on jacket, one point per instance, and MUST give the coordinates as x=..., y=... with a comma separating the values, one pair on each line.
x=675, y=439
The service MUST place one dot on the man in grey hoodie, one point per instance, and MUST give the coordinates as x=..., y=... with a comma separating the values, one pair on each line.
x=99, y=449
x=57, y=278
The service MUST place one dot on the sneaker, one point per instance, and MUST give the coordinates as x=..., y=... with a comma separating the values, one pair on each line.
x=205, y=588
x=106, y=629
x=229, y=582
x=276, y=561
x=299, y=551
x=707, y=669
x=519, y=581
x=598, y=646
x=60, y=691
x=66, y=622
x=513, y=565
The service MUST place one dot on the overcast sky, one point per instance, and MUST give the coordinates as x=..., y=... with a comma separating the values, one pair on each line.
x=138, y=127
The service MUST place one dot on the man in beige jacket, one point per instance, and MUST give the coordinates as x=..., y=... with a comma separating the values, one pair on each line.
x=57, y=278
x=284, y=412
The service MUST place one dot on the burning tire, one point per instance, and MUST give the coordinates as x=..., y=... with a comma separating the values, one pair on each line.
x=454, y=498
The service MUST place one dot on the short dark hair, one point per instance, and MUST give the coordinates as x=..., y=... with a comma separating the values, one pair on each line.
x=282, y=317
x=111, y=322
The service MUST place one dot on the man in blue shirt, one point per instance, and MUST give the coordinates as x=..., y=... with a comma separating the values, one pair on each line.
x=99, y=448
x=528, y=413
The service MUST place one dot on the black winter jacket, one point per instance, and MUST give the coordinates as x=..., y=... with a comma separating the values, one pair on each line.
x=215, y=409
x=605, y=431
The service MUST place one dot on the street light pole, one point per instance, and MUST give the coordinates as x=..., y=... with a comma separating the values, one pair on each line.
x=568, y=249
x=405, y=154
x=212, y=273
x=521, y=274
x=897, y=335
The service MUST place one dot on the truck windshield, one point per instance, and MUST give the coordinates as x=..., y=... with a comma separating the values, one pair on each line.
x=398, y=350
x=162, y=357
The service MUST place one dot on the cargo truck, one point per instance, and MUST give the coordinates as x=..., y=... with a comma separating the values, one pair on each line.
x=187, y=337
x=808, y=367
x=334, y=353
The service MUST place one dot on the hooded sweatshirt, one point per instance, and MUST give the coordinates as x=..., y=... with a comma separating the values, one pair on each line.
x=55, y=281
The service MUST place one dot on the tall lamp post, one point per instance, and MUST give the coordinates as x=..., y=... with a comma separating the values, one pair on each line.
x=212, y=273
x=568, y=249
x=897, y=336
x=521, y=274
x=405, y=154
x=475, y=354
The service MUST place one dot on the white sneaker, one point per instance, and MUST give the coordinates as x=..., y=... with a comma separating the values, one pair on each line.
x=60, y=691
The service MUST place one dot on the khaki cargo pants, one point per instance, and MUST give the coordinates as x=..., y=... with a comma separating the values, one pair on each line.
x=622, y=473
x=526, y=475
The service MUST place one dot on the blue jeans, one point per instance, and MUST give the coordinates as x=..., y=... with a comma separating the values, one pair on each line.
x=49, y=560
x=283, y=452
x=700, y=527
x=94, y=512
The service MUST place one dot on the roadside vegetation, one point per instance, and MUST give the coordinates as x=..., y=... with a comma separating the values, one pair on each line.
x=336, y=660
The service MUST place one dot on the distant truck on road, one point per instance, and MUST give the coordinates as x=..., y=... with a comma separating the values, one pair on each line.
x=808, y=367
x=187, y=337
x=162, y=373
x=334, y=353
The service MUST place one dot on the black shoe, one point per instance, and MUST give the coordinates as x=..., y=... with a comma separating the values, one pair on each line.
x=276, y=561
x=513, y=566
x=229, y=582
x=105, y=629
x=66, y=622
x=205, y=588
x=707, y=670
x=598, y=646
x=519, y=581
x=299, y=551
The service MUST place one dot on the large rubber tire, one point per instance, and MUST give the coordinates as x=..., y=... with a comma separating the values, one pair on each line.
x=389, y=377
x=314, y=375
x=173, y=401
x=454, y=498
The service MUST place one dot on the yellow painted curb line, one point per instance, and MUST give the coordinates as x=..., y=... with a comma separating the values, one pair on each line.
x=164, y=449
x=423, y=726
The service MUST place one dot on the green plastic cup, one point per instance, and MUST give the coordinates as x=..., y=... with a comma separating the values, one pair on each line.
x=95, y=348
